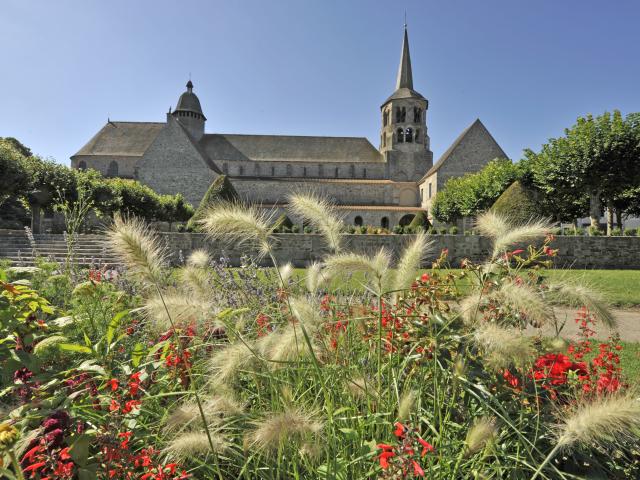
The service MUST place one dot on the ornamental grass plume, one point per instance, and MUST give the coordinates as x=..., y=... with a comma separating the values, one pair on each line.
x=284, y=274
x=579, y=295
x=137, y=248
x=406, y=404
x=321, y=214
x=315, y=278
x=227, y=363
x=199, y=258
x=410, y=262
x=240, y=225
x=287, y=345
x=187, y=415
x=503, y=347
x=482, y=432
x=524, y=299
x=505, y=234
x=469, y=307
x=603, y=421
x=291, y=426
x=190, y=444
x=196, y=280
x=47, y=344
x=376, y=268
x=180, y=308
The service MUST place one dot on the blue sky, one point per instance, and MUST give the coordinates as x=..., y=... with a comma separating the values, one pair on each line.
x=526, y=69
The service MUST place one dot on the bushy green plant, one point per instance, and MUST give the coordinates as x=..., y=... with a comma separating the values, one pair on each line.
x=453, y=230
x=308, y=229
x=398, y=229
x=295, y=229
x=518, y=203
x=443, y=230
x=629, y=232
x=616, y=232
x=595, y=232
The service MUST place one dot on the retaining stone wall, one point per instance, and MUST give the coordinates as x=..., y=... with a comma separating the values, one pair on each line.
x=300, y=249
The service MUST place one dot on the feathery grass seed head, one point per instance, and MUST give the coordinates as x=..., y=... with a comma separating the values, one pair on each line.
x=137, y=247
x=292, y=425
x=410, y=262
x=321, y=214
x=482, y=432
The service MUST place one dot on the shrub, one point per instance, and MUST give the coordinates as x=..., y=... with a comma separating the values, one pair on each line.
x=295, y=229
x=308, y=229
x=398, y=229
x=443, y=230
x=351, y=229
x=517, y=203
x=453, y=230
x=283, y=224
x=220, y=190
x=595, y=231
x=616, y=232
x=629, y=232
x=638, y=231
x=420, y=222
x=362, y=229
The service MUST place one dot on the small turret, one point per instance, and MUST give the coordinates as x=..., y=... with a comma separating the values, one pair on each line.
x=189, y=112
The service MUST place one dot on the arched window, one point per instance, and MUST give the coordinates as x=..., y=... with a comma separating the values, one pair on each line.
x=112, y=171
x=225, y=168
x=400, y=134
x=417, y=115
x=82, y=165
x=352, y=171
x=408, y=135
x=385, y=118
x=358, y=221
x=384, y=223
x=401, y=114
x=289, y=170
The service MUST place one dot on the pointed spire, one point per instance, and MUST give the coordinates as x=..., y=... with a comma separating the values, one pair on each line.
x=405, y=77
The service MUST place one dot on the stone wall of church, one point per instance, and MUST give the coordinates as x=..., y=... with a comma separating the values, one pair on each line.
x=272, y=191
x=476, y=150
x=574, y=252
x=173, y=165
x=108, y=165
x=360, y=170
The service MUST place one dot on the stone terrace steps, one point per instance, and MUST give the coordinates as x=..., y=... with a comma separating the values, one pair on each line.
x=88, y=249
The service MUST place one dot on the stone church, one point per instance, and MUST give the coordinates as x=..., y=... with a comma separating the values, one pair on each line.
x=382, y=186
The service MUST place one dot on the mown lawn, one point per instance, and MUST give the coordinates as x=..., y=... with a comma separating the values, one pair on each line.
x=621, y=287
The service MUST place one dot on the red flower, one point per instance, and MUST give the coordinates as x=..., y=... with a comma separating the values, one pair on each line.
x=384, y=458
x=34, y=468
x=131, y=405
x=425, y=277
x=64, y=454
x=114, y=406
x=417, y=469
x=400, y=430
x=426, y=447
x=517, y=252
x=114, y=384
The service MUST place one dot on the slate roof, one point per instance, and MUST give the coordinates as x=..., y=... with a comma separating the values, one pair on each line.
x=283, y=148
x=445, y=156
x=127, y=139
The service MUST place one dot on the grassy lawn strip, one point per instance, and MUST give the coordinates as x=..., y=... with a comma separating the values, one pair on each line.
x=621, y=287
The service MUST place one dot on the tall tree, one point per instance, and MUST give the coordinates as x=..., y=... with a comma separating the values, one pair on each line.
x=597, y=157
x=14, y=176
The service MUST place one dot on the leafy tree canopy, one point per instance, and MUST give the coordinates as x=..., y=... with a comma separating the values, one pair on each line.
x=474, y=192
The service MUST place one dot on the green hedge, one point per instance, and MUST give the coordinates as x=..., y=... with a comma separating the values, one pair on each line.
x=518, y=203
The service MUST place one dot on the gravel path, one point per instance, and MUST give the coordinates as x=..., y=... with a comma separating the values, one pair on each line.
x=628, y=324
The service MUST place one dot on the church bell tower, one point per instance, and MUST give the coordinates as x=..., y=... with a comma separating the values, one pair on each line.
x=189, y=113
x=403, y=138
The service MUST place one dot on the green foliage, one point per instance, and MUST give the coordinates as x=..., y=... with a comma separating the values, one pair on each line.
x=420, y=220
x=282, y=224
x=220, y=190
x=15, y=176
x=453, y=230
x=616, y=232
x=518, y=203
x=474, y=192
x=594, y=162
